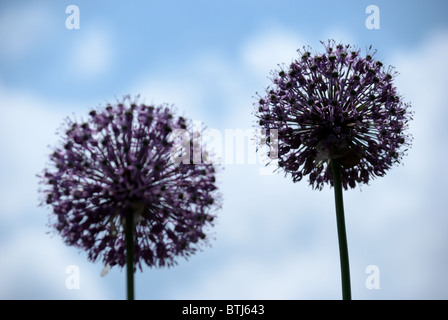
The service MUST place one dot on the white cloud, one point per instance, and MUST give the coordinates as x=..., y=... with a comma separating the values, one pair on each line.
x=293, y=275
x=270, y=48
x=91, y=54
x=27, y=126
x=184, y=95
x=422, y=81
x=207, y=89
x=38, y=268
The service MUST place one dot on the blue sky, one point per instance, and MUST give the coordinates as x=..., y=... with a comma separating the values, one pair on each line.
x=274, y=239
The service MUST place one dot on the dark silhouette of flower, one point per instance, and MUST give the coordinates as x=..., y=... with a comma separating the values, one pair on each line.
x=119, y=159
x=336, y=105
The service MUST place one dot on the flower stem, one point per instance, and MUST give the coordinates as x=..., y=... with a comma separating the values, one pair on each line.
x=129, y=236
x=342, y=236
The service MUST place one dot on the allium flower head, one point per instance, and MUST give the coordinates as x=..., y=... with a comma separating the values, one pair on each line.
x=336, y=105
x=119, y=160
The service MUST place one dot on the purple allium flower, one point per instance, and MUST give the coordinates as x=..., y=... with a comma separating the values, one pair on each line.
x=336, y=105
x=119, y=160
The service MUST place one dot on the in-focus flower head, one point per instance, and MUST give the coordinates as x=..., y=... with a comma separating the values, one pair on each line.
x=338, y=104
x=119, y=160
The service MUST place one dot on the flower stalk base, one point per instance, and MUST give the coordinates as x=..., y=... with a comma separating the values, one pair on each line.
x=342, y=235
x=129, y=238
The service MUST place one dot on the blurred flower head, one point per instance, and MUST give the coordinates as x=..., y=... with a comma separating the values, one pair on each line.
x=119, y=160
x=339, y=104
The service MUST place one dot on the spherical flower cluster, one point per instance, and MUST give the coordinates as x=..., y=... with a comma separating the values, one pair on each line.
x=336, y=105
x=119, y=160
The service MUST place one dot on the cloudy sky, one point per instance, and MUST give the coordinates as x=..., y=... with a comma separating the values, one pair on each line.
x=273, y=239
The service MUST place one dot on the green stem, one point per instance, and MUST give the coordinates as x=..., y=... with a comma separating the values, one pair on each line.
x=129, y=237
x=342, y=236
